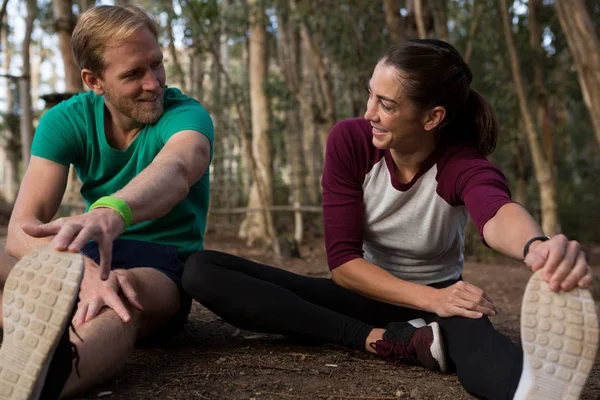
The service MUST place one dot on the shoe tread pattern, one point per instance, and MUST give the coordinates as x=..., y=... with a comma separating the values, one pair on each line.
x=37, y=301
x=559, y=332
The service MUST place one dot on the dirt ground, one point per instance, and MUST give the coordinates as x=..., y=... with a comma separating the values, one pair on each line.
x=211, y=359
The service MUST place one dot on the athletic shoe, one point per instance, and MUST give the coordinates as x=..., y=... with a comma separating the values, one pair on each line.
x=559, y=333
x=405, y=343
x=38, y=302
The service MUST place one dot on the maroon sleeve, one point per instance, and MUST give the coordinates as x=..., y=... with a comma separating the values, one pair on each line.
x=468, y=178
x=343, y=176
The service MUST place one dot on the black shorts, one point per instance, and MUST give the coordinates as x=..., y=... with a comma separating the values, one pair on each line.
x=129, y=254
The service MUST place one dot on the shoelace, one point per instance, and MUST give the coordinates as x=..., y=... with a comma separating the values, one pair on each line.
x=75, y=351
x=391, y=349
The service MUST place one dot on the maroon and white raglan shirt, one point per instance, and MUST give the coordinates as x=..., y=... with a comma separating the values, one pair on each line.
x=413, y=230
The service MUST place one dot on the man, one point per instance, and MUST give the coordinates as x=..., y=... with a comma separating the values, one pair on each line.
x=142, y=152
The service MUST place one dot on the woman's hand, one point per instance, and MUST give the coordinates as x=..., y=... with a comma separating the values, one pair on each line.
x=464, y=300
x=562, y=262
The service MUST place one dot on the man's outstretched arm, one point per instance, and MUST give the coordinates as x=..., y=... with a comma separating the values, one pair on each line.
x=167, y=180
x=151, y=194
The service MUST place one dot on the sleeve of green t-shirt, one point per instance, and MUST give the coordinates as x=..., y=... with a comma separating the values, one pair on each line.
x=55, y=137
x=187, y=115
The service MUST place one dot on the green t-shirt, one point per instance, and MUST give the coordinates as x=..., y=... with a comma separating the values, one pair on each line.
x=72, y=132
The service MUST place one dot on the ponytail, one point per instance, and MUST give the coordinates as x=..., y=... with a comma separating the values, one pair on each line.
x=476, y=124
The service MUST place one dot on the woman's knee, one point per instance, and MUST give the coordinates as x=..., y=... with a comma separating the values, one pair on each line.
x=199, y=271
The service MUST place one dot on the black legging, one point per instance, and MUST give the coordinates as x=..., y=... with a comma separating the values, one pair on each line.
x=261, y=298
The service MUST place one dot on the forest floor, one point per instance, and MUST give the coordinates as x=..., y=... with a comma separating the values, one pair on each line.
x=213, y=360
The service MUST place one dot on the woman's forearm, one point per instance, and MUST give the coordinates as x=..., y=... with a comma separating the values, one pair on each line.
x=510, y=229
x=378, y=284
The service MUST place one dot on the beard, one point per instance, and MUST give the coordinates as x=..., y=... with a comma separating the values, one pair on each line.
x=142, y=112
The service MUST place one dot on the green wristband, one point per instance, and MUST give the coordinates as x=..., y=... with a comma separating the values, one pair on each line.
x=116, y=204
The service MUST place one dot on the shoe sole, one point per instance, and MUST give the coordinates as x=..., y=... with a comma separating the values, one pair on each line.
x=39, y=295
x=437, y=347
x=559, y=332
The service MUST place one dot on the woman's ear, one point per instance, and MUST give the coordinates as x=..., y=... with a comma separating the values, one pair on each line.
x=433, y=118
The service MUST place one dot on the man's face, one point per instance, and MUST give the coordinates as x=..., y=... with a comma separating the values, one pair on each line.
x=134, y=77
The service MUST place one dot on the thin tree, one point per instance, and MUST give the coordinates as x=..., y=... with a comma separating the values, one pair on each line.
x=178, y=74
x=393, y=20
x=259, y=226
x=540, y=164
x=584, y=46
x=64, y=23
x=25, y=84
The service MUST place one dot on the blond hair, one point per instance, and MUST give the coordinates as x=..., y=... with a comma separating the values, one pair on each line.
x=102, y=24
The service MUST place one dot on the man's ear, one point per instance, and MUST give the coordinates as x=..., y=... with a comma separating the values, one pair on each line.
x=92, y=81
x=433, y=118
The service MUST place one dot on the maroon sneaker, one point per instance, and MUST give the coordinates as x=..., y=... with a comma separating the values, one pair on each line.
x=422, y=346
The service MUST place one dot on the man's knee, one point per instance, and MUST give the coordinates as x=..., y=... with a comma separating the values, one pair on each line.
x=157, y=293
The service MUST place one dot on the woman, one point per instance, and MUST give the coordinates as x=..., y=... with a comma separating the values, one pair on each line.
x=398, y=187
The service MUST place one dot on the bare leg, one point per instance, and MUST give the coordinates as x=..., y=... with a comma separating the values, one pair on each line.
x=375, y=335
x=108, y=342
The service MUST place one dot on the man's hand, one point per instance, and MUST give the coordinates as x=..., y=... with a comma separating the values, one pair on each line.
x=96, y=294
x=103, y=225
x=563, y=264
x=465, y=300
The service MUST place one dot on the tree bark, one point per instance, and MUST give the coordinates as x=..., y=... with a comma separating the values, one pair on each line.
x=520, y=169
x=309, y=131
x=179, y=76
x=439, y=9
x=475, y=14
x=540, y=164
x=543, y=110
x=64, y=22
x=289, y=61
x=393, y=20
x=419, y=19
x=259, y=227
x=327, y=117
x=25, y=85
x=584, y=46
x=10, y=142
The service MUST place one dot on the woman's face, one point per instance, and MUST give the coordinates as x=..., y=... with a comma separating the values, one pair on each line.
x=397, y=122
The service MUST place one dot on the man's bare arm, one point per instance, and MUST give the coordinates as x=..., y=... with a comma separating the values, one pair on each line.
x=167, y=180
x=151, y=194
x=39, y=197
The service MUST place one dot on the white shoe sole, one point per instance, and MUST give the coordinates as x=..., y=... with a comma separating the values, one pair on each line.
x=37, y=303
x=559, y=332
x=438, y=350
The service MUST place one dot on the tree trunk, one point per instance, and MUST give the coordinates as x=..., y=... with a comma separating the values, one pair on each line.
x=584, y=46
x=475, y=14
x=25, y=85
x=289, y=62
x=419, y=19
x=197, y=68
x=85, y=5
x=9, y=144
x=309, y=131
x=64, y=23
x=178, y=75
x=257, y=226
x=327, y=117
x=393, y=20
x=541, y=94
x=520, y=169
x=540, y=164
x=439, y=9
